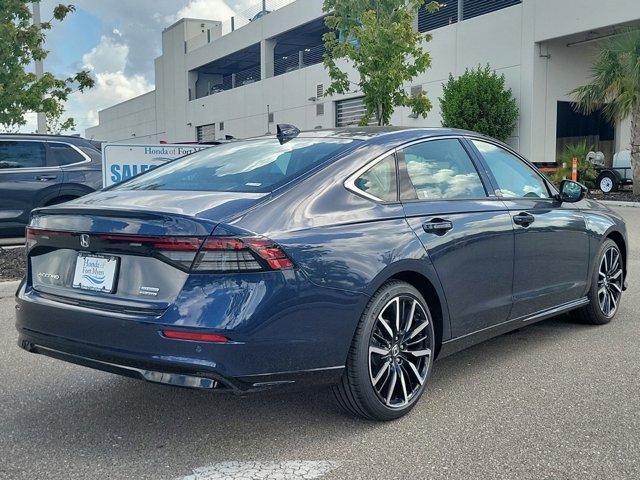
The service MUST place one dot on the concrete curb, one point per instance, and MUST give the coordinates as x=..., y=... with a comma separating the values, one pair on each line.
x=8, y=289
x=615, y=203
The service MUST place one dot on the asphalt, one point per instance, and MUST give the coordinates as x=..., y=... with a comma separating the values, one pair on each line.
x=557, y=400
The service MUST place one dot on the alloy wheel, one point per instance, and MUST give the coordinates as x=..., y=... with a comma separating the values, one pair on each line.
x=400, y=351
x=610, y=282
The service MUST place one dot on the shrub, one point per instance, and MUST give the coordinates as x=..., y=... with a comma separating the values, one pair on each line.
x=586, y=171
x=479, y=101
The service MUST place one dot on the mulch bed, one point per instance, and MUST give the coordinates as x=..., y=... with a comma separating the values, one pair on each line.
x=621, y=196
x=12, y=263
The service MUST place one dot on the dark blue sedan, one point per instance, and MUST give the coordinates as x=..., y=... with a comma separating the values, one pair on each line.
x=353, y=258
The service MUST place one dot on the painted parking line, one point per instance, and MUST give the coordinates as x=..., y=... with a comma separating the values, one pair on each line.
x=294, y=470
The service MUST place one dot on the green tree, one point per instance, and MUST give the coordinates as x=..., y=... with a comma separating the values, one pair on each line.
x=378, y=39
x=22, y=43
x=478, y=100
x=615, y=87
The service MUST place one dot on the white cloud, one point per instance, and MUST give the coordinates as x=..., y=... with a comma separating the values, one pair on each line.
x=107, y=62
x=205, y=9
x=108, y=56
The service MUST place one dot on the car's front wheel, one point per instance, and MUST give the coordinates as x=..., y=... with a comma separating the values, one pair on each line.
x=607, y=282
x=391, y=357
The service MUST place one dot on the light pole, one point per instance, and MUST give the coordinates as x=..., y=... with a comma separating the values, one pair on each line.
x=42, y=118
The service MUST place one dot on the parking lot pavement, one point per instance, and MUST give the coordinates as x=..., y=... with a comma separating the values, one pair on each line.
x=555, y=400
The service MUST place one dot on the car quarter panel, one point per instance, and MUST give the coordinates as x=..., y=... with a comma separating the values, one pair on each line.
x=339, y=239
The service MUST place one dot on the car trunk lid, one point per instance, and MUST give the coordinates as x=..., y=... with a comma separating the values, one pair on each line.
x=124, y=252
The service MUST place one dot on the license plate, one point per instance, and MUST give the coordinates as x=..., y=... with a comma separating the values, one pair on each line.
x=95, y=272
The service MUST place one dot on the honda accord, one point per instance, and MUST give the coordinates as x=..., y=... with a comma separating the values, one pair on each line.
x=352, y=258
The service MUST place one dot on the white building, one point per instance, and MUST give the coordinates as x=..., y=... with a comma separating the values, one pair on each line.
x=270, y=71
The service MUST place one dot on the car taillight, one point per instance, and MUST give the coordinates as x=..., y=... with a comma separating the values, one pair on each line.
x=33, y=235
x=243, y=254
x=180, y=250
x=198, y=254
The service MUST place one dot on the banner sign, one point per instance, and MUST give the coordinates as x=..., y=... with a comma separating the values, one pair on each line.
x=121, y=162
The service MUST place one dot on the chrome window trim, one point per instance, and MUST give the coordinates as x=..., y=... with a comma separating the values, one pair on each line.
x=47, y=168
x=349, y=183
x=550, y=187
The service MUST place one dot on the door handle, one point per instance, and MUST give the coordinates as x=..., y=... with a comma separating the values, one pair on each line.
x=524, y=219
x=46, y=178
x=438, y=226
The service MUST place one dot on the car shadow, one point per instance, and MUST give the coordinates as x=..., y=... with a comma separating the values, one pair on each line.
x=119, y=415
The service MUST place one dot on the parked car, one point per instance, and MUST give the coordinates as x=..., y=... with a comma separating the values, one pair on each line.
x=41, y=170
x=620, y=174
x=349, y=257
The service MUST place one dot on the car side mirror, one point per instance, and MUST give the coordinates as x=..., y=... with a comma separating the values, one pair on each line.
x=571, y=191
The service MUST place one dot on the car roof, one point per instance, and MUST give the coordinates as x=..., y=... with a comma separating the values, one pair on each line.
x=72, y=139
x=368, y=132
x=386, y=134
x=44, y=137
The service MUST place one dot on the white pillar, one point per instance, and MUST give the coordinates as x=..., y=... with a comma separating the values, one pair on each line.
x=42, y=118
x=266, y=58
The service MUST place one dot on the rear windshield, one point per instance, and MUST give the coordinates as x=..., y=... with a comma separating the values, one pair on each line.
x=258, y=166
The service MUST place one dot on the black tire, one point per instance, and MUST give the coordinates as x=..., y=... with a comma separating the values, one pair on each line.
x=356, y=392
x=593, y=313
x=607, y=182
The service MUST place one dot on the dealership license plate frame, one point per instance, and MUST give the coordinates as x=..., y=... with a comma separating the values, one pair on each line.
x=112, y=274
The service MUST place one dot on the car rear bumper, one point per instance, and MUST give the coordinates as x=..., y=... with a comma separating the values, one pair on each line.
x=132, y=345
x=157, y=374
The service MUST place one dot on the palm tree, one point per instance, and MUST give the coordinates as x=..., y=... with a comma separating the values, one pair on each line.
x=615, y=87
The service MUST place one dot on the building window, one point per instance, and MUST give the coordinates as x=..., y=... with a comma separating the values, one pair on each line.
x=221, y=126
x=350, y=112
x=475, y=8
x=319, y=109
x=319, y=91
x=447, y=15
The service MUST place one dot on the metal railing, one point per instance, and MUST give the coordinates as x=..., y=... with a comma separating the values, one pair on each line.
x=297, y=60
x=235, y=80
x=252, y=13
x=452, y=11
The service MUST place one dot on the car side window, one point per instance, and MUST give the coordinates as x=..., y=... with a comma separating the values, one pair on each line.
x=380, y=180
x=17, y=154
x=441, y=169
x=515, y=178
x=62, y=154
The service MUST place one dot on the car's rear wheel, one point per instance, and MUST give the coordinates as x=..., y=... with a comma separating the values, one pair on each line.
x=391, y=357
x=605, y=293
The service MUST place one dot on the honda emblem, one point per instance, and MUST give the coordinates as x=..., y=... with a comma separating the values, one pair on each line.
x=84, y=240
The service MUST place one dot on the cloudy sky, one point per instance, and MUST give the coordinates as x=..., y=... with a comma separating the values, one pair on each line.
x=118, y=40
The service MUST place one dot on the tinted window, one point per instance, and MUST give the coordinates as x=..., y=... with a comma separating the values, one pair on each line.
x=251, y=166
x=22, y=154
x=441, y=169
x=515, y=178
x=380, y=180
x=62, y=154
